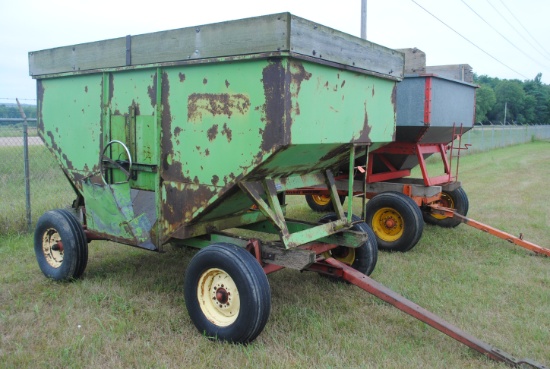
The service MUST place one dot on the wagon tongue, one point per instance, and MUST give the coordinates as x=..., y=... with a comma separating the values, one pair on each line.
x=377, y=289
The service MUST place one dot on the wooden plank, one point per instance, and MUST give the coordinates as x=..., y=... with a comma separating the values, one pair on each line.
x=415, y=60
x=242, y=37
x=318, y=41
x=92, y=55
x=297, y=259
x=276, y=33
x=460, y=72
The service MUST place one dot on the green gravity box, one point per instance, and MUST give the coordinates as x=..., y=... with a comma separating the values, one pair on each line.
x=176, y=134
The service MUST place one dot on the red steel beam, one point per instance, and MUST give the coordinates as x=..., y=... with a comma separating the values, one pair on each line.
x=382, y=292
x=491, y=230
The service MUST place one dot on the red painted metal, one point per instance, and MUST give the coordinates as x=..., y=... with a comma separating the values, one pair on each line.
x=364, y=282
x=491, y=230
x=428, y=101
x=410, y=148
x=253, y=247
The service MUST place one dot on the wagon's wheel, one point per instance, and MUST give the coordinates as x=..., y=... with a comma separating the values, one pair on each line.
x=321, y=203
x=124, y=166
x=396, y=220
x=227, y=293
x=362, y=258
x=456, y=200
x=60, y=245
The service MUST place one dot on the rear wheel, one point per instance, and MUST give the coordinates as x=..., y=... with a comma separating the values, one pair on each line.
x=321, y=203
x=456, y=200
x=363, y=258
x=227, y=293
x=396, y=221
x=60, y=245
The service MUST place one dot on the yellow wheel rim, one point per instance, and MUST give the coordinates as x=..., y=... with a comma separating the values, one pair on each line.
x=387, y=224
x=343, y=254
x=218, y=297
x=321, y=199
x=445, y=201
x=52, y=248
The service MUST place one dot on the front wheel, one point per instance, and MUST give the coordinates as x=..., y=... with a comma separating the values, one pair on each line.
x=456, y=200
x=396, y=220
x=227, y=293
x=60, y=245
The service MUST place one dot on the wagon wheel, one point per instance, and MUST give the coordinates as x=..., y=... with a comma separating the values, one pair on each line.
x=124, y=166
x=362, y=258
x=60, y=245
x=457, y=200
x=227, y=293
x=396, y=220
x=321, y=203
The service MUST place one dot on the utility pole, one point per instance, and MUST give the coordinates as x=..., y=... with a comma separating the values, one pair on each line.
x=364, y=19
x=505, y=104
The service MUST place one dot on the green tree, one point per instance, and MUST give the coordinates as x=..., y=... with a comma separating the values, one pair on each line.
x=485, y=101
x=541, y=94
x=509, y=93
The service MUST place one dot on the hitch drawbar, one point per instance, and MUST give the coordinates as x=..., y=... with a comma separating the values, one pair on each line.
x=519, y=241
x=374, y=288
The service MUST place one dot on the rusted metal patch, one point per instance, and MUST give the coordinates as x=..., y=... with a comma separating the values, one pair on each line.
x=171, y=169
x=365, y=132
x=182, y=201
x=216, y=104
x=152, y=91
x=298, y=74
x=274, y=107
x=40, y=95
x=227, y=132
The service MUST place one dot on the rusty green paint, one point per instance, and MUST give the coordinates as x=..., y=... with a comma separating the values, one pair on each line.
x=195, y=132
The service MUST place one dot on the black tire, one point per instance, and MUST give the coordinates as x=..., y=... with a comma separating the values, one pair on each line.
x=217, y=314
x=457, y=200
x=365, y=256
x=321, y=203
x=396, y=221
x=60, y=245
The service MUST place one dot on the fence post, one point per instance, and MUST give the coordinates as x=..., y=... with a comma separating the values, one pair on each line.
x=26, y=165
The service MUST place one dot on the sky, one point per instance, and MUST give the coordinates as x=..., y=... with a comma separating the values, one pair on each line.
x=507, y=39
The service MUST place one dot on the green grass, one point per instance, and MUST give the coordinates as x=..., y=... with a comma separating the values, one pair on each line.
x=128, y=309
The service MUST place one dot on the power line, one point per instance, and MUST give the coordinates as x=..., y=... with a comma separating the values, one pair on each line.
x=515, y=29
x=485, y=52
x=529, y=33
x=504, y=37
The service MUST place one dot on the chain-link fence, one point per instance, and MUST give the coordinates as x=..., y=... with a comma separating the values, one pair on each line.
x=49, y=188
x=24, y=198
x=488, y=137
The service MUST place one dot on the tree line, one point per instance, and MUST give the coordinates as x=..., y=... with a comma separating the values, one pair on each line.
x=526, y=102
x=12, y=111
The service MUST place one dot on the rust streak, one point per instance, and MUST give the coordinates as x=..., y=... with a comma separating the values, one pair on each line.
x=216, y=104
x=274, y=107
x=152, y=91
x=172, y=170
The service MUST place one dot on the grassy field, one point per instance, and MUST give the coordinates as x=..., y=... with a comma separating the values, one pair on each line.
x=128, y=310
